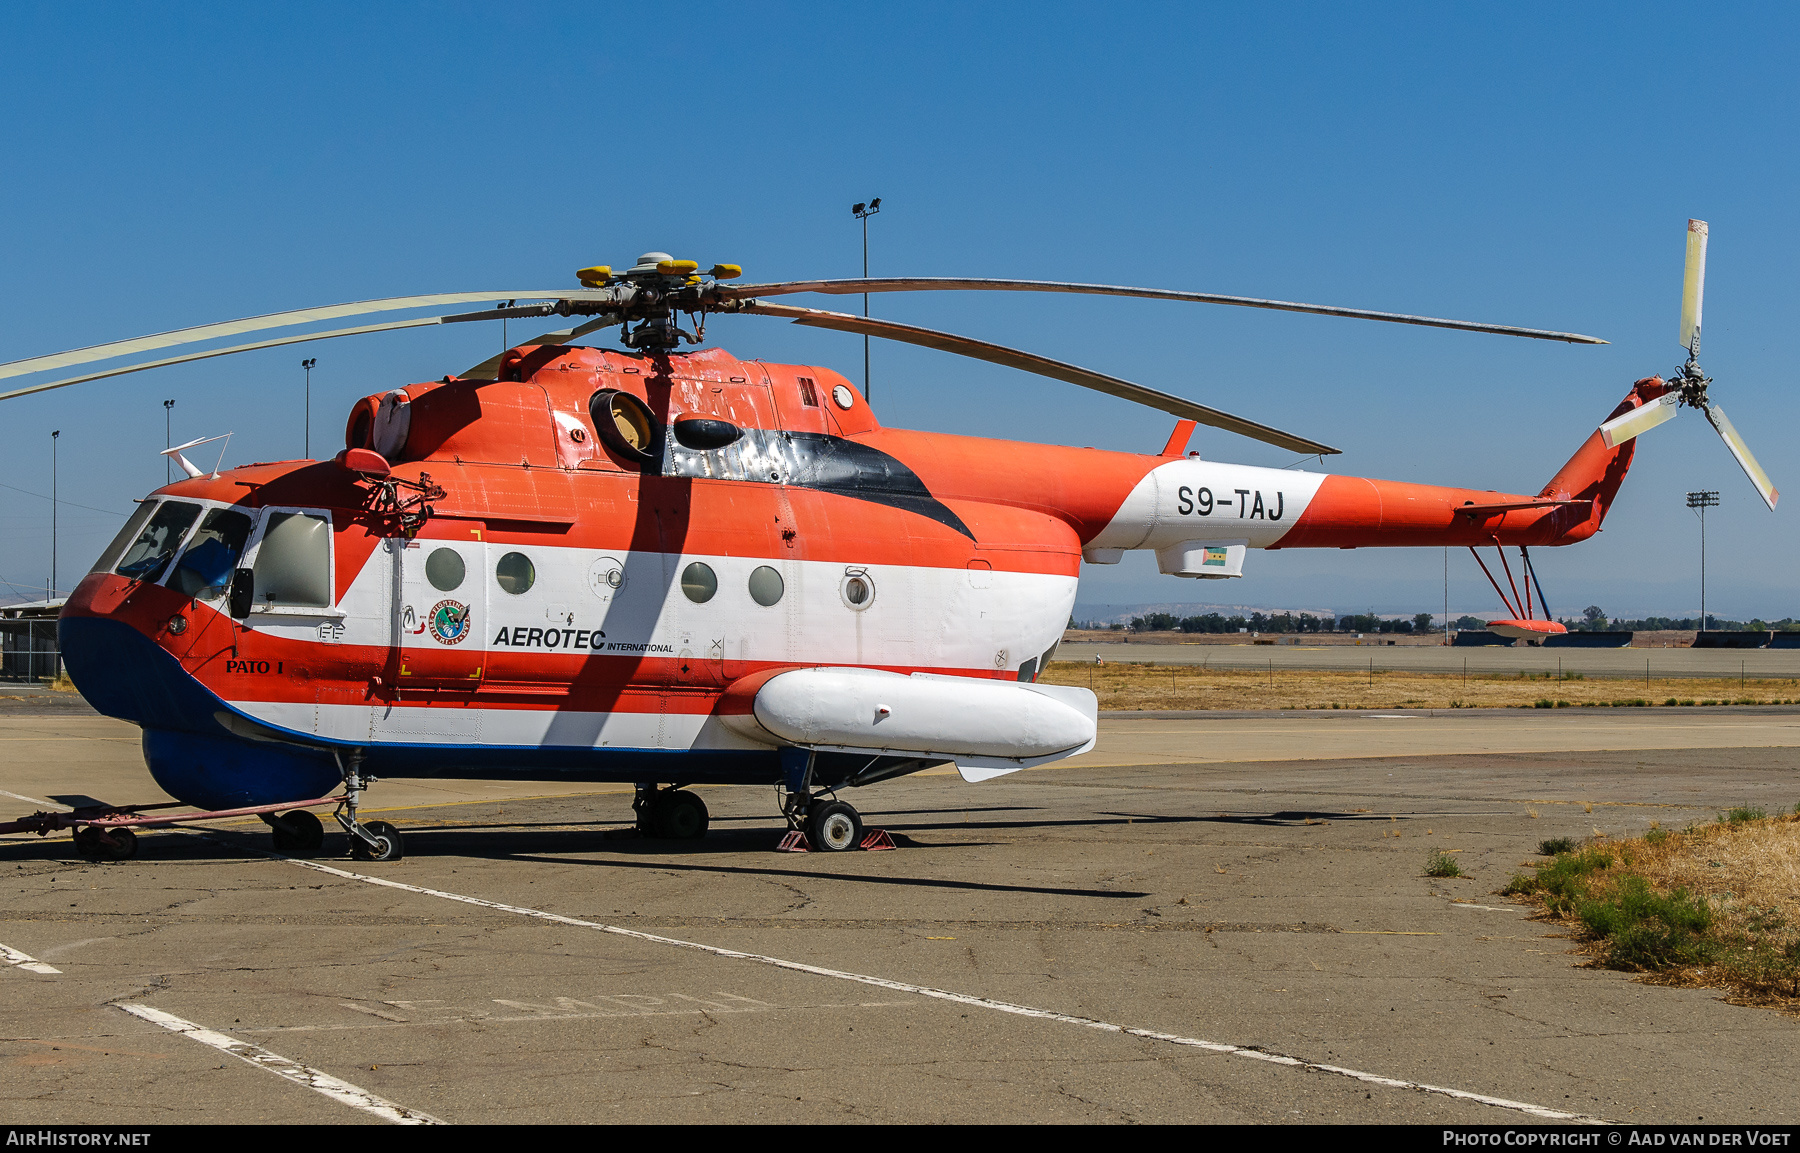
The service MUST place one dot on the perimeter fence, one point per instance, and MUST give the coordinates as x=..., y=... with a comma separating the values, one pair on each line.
x=28, y=650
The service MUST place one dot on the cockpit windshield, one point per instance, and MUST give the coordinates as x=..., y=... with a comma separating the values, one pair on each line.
x=206, y=567
x=126, y=537
x=149, y=554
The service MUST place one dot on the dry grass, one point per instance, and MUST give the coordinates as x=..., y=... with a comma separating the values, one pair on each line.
x=1716, y=906
x=1146, y=686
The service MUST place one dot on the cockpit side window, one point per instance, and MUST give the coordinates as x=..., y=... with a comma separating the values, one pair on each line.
x=149, y=554
x=126, y=536
x=206, y=567
x=293, y=563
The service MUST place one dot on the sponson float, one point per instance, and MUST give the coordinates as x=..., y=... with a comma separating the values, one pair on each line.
x=671, y=567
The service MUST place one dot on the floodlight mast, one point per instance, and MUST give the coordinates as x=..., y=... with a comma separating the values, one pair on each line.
x=862, y=212
x=54, y=436
x=1700, y=502
x=307, y=365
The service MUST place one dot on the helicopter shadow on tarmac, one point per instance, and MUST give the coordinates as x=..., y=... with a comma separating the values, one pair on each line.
x=558, y=842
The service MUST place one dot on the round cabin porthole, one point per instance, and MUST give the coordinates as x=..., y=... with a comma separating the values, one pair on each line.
x=515, y=573
x=625, y=423
x=445, y=570
x=765, y=586
x=858, y=589
x=843, y=397
x=698, y=583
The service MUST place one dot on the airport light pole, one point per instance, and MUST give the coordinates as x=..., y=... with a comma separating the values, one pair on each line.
x=307, y=364
x=53, y=439
x=862, y=212
x=1700, y=502
x=168, y=441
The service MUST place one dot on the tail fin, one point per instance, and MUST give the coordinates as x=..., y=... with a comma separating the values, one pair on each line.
x=1595, y=472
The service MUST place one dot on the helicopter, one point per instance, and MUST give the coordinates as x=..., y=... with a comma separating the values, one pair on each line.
x=668, y=566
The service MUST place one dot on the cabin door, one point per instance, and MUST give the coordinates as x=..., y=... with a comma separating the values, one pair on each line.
x=441, y=614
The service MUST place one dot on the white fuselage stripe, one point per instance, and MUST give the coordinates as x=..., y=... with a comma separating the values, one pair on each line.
x=592, y=605
x=1202, y=500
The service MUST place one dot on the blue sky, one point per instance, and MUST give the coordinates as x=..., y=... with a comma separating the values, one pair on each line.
x=1526, y=165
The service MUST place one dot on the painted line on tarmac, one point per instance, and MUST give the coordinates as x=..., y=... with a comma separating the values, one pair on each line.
x=342, y=1092
x=12, y=956
x=35, y=801
x=1254, y=1054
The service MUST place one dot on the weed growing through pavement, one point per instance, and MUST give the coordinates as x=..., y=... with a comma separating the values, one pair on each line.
x=1715, y=905
x=1555, y=845
x=1441, y=864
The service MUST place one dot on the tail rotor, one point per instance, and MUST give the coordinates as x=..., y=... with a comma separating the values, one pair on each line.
x=1688, y=385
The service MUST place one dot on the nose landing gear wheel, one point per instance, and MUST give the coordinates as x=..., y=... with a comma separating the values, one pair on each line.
x=387, y=846
x=834, y=827
x=303, y=834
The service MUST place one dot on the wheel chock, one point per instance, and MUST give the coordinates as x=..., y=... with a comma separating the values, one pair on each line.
x=794, y=842
x=875, y=840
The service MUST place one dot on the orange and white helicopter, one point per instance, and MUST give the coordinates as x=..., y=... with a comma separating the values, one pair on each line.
x=668, y=567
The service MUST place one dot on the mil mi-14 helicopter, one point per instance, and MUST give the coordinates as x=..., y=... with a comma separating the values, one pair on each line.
x=669, y=567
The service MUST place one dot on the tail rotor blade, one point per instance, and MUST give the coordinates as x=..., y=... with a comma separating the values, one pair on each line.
x=1729, y=434
x=1639, y=420
x=1693, y=287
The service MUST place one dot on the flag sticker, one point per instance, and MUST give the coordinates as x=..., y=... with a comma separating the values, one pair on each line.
x=1215, y=557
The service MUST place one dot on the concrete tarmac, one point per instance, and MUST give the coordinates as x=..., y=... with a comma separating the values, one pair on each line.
x=1625, y=664
x=1218, y=919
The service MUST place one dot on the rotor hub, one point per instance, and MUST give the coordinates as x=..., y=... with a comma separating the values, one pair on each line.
x=1692, y=382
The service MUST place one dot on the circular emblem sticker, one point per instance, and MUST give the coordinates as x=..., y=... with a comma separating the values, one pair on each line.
x=449, y=622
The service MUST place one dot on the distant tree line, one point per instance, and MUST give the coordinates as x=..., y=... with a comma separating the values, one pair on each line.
x=1594, y=620
x=1278, y=623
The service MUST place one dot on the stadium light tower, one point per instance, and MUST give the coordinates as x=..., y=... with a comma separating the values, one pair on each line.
x=1700, y=502
x=54, y=437
x=307, y=365
x=862, y=212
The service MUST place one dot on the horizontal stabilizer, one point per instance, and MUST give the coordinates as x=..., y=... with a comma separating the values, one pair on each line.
x=1514, y=505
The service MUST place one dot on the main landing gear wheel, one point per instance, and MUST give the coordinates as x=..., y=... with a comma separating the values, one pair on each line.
x=387, y=847
x=303, y=833
x=834, y=827
x=97, y=844
x=675, y=816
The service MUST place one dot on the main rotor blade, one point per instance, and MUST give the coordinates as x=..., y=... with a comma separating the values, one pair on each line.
x=212, y=352
x=1043, y=366
x=1693, y=288
x=928, y=283
x=277, y=320
x=1729, y=434
x=1639, y=420
x=486, y=369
